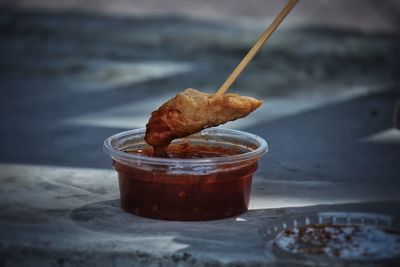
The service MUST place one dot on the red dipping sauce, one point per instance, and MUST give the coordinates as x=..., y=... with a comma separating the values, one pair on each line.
x=207, y=176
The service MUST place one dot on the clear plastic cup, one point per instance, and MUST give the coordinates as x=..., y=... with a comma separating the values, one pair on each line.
x=186, y=189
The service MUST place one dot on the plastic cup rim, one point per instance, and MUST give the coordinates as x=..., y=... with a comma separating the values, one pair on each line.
x=123, y=156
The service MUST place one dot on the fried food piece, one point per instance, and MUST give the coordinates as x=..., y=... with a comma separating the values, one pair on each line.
x=192, y=111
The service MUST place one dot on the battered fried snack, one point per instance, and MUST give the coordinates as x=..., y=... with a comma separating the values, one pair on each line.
x=192, y=111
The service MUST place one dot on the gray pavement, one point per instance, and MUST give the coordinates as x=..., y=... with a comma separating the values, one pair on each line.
x=69, y=80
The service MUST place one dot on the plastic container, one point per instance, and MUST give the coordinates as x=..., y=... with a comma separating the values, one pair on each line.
x=187, y=189
x=376, y=244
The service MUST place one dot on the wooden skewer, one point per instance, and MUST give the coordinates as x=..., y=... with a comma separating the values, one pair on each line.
x=256, y=47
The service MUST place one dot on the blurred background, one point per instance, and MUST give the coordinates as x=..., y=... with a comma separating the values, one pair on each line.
x=74, y=72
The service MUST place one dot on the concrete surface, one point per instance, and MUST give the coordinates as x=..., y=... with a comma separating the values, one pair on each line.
x=72, y=217
x=69, y=80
